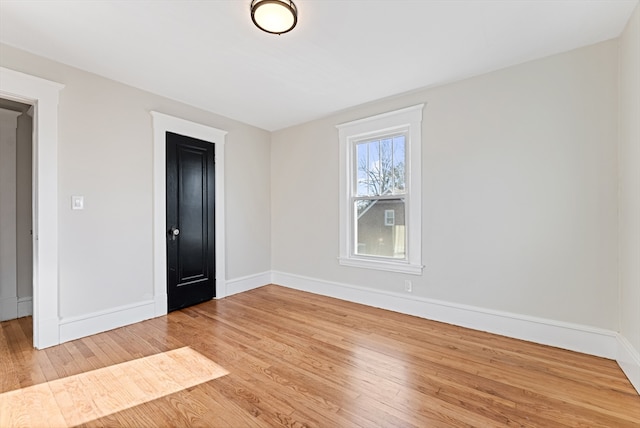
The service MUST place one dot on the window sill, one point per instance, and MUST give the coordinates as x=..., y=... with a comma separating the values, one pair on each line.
x=390, y=266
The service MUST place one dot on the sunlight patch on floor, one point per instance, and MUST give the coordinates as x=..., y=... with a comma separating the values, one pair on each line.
x=92, y=395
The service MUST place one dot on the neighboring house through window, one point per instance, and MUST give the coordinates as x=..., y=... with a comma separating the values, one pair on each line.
x=380, y=224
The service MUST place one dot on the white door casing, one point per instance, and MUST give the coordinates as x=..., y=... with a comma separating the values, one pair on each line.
x=162, y=124
x=43, y=95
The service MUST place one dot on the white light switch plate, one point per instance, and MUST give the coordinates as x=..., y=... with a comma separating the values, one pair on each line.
x=77, y=202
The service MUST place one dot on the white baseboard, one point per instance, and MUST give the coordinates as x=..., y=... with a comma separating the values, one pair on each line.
x=14, y=307
x=25, y=306
x=629, y=361
x=85, y=325
x=8, y=308
x=574, y=337
x=246, y=283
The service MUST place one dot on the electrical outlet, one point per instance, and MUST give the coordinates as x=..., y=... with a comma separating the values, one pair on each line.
x=407, y=286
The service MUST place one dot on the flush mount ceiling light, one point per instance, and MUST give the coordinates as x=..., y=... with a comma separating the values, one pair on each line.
x=274, y=16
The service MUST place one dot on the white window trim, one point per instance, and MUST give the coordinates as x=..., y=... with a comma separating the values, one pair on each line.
x=349, y=133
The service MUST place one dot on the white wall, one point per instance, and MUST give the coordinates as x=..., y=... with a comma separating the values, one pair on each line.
x=629, y=161
x=8, y=283
x=105, y=154
x=24, y=247
x=519, y=192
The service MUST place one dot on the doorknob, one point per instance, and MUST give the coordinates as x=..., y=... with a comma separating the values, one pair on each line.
x=174, y=232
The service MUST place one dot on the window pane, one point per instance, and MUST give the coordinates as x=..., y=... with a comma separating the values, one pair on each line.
x=368, y=155
x=376, y=234
x=385, y=166
x=362, y=156
x=399, y=163
x=381, y=167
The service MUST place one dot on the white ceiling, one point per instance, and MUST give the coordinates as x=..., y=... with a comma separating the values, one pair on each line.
x=342, y=52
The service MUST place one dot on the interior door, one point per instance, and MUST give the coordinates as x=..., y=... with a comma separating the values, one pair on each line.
x=190, y=221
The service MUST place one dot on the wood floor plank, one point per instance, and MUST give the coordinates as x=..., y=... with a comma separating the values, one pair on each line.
x=8, y=375
x=294, y=359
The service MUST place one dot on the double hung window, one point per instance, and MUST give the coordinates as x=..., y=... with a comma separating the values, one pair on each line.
x=380, y=225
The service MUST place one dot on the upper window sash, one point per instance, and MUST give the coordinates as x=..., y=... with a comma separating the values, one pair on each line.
x=390, y=148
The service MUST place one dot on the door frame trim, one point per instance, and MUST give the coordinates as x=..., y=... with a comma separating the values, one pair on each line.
x=163, y=123
x=43, y=95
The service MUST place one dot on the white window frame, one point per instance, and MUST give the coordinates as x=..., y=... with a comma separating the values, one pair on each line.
x=350, y=133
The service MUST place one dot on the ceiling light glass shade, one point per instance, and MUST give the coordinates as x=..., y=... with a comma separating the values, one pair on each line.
x=274, y=16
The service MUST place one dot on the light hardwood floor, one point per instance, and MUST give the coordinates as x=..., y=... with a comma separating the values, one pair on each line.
x=280, y=357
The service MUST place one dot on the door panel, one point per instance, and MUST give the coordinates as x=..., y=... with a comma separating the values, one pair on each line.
x=190, y=221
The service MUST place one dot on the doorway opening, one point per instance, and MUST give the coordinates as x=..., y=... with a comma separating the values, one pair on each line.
x=16, y=196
